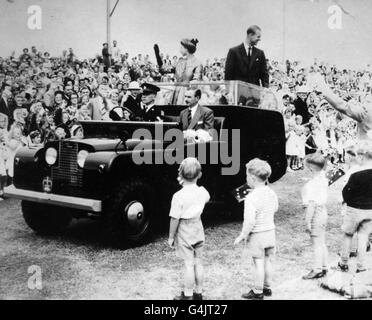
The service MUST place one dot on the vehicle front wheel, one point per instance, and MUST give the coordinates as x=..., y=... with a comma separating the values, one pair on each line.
x=45, y=219
x=129, y=213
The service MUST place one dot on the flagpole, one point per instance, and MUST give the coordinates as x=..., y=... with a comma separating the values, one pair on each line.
x=284, y=29
x=108, y=25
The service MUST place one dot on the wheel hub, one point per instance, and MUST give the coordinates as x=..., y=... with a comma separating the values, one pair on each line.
x=134, y=212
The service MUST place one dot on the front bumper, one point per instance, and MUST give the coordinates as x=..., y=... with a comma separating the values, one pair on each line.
x=84, y=204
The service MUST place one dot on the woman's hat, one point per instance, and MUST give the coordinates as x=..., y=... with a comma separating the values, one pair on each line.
x=190, y=44
x=75, y=129
x=134, y=85
x=303, y=89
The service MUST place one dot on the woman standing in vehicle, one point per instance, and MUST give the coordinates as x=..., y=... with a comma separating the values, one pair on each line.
x=188, y=67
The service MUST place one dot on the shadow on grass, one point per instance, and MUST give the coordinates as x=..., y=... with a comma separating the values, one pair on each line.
x=87, y=232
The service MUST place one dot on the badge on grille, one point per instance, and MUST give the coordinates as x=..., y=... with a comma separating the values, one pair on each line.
x=47, y=185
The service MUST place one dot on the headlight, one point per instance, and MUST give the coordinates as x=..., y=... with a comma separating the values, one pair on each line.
x=51, y=156
x=82, y=155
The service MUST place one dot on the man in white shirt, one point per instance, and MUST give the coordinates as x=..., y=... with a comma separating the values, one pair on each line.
x=246, y=62
x=196, y=117
x=115, y=52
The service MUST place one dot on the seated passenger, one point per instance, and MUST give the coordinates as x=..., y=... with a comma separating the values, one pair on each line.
x=133, y=100
x=196, y=121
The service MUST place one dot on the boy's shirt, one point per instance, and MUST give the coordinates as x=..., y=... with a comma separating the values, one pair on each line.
x=259, y=208
x=189, y=202
x=357, y=193
x=316, y=190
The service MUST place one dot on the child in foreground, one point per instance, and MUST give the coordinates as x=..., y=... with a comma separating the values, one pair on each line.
x=258, y=227
x=186, y=232
x=357, y=195
x=314, y=198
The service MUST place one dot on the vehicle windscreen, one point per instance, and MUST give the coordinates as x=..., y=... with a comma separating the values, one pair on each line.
x=219, y=93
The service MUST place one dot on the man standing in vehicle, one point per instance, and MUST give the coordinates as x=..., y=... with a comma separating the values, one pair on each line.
x=247, y=63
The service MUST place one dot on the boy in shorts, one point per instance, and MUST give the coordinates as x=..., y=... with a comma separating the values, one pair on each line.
x=186, y=232
x=357, y=195
x=314, y=198
x=258, y=227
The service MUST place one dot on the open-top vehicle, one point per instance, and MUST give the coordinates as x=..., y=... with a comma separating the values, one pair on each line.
x=126, y=172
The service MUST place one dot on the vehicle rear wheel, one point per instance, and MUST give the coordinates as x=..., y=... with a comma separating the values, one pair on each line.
x=129, y=213
x=234, y=209
x=45, y=219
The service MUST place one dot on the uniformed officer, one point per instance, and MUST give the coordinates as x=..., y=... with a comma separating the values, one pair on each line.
x=148, y=110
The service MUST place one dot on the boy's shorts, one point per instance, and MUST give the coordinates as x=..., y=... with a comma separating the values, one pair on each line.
x=353, y=219
x=319, y=222
x=190, y=252
x=261, y=244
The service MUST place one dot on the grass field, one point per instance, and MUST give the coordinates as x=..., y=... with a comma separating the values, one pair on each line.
x=77, y=266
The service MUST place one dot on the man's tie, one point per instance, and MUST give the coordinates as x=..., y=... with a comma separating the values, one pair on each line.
x=189, y=117
x=249, y=54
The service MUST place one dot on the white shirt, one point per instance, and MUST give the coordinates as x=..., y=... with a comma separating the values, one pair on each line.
x=193, y=110
x=316, y=190
x=259, y=208
x=146, y=107
x=246, y=46
x=189, y=202
x=116, y=53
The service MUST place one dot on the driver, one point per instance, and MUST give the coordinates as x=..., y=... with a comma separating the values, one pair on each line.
x=147, y=110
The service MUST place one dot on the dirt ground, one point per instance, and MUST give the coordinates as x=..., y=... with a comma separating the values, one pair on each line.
x=77, y=266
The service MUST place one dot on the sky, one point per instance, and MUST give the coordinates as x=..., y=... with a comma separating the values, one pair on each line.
x=218, y=24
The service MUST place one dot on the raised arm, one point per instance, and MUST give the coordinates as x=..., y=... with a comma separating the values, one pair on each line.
x=355, y=111
x=157, y=55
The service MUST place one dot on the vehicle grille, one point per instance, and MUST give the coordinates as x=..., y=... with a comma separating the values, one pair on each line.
x=67, y=173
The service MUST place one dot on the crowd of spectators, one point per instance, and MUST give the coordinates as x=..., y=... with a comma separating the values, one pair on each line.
x=311, y=123
x=43, y=98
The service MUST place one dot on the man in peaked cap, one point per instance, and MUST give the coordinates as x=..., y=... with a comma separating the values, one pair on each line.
x=148, y=110
x=145, y=110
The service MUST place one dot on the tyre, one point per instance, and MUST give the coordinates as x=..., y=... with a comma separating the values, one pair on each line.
x=45, y=219
x=130, y=213
x=234, y=209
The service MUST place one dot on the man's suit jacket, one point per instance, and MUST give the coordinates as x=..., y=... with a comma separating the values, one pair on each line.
x=203, y=119
x=8, y=110
x=133, y=105
x=139, y=114
x=238, y=67
x=152, y=115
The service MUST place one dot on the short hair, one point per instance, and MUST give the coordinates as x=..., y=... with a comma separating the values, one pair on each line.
x=197, y=92
x=73, y=92
x=317, y=159
x=259, y=168
x=190, y=169
x=35, y=134
x=5, y=84
x=253, y=29
x=299, y=117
